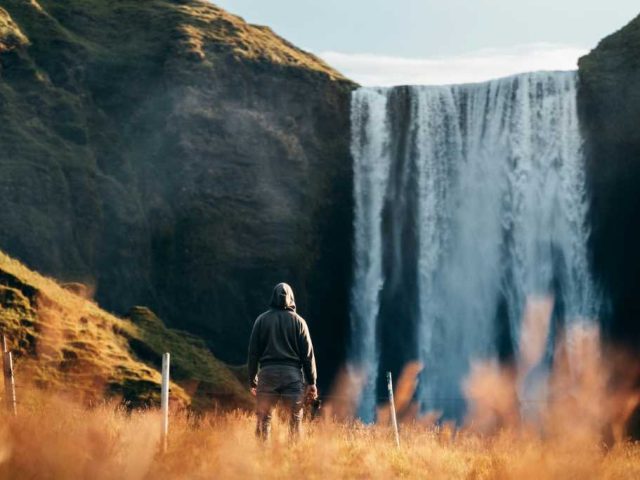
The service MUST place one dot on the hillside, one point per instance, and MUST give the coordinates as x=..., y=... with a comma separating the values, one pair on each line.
x=64, y=342
x=169, y=154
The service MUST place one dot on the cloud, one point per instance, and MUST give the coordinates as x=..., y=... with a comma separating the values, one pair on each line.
x=378, y=70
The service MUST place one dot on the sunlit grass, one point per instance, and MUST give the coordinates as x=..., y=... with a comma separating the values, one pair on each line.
x=57, y=437
x=53, y=438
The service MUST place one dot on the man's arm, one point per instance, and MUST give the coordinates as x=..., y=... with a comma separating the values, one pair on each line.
x=254, y=354
x=307, y=356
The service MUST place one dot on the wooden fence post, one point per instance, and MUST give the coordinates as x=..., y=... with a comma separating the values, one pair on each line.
x=164, y=400
x=9, y=381
x=392, y=407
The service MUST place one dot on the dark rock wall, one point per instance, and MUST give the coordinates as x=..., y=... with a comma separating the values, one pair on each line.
x=609, y=103
x=169, y=154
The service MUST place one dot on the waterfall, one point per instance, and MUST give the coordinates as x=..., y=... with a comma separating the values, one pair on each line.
x=469, y=200
x=371, y=168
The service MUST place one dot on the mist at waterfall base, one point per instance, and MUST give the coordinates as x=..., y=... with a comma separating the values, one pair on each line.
x=471, y=210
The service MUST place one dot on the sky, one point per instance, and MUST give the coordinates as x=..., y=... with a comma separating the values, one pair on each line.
x=393, y=42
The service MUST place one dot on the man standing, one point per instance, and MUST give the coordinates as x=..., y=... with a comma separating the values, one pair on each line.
x=281, y=345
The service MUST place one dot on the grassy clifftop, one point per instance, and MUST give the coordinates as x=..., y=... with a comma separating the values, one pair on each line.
x=10, y=35
x=212, y=25
x=65, y=342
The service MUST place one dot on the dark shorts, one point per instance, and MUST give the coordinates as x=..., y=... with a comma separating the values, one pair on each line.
x=281, y=381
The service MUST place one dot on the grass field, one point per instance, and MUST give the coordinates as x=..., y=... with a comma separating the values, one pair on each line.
x=53, y=438
x=574, y=429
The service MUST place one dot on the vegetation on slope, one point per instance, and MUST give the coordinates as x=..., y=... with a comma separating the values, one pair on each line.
x=10, y=35
x=206, y=380
x=66, y=343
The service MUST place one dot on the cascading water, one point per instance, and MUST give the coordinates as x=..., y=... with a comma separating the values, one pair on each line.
x=469, y=199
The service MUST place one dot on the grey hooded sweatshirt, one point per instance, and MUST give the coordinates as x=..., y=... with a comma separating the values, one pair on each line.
x=281, y=337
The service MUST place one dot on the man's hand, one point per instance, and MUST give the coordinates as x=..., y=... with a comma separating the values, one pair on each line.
x=312, y=392
x=253, y=391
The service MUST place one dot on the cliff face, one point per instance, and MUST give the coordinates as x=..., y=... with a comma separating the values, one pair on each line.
x=169, y=154
x=609, y=102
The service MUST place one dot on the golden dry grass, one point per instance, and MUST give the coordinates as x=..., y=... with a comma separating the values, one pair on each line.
x=59, y=438
x=56, y=439
x=210, y=24
x=10, y=34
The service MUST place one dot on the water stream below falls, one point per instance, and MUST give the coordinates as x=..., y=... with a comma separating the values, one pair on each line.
x=469, y=200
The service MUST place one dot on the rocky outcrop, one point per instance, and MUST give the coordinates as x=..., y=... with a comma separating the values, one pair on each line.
x=609, y=102
x=171, y=155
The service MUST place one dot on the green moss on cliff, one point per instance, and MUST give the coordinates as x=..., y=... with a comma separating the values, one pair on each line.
x=618, y=50
x=610, y=75
x=203, y=376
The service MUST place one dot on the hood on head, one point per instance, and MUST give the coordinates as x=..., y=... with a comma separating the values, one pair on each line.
x=283, y=298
